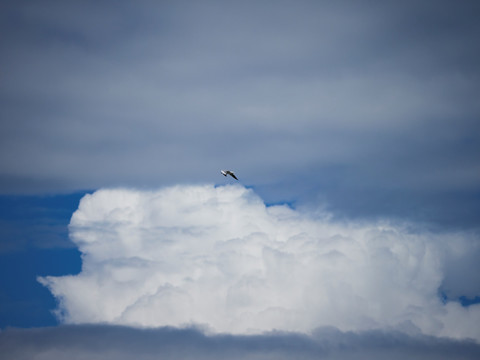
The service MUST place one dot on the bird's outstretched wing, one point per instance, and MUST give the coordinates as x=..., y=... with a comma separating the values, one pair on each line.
x=233, y=175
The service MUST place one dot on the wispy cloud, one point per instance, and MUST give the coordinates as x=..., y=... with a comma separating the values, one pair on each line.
x=376, y=103
x=218, y=257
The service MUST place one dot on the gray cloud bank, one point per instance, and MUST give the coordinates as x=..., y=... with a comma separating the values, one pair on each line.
x=372, y=107
x=113, y=342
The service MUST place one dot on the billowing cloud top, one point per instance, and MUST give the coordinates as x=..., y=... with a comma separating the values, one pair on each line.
x=221, y=258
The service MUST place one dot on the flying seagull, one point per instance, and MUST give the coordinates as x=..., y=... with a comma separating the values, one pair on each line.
x=228, y=172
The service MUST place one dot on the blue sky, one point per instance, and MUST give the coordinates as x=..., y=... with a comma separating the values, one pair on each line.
x=34, y=242
x=362, y=117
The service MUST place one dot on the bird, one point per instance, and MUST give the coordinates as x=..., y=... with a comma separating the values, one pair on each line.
x=228, y=172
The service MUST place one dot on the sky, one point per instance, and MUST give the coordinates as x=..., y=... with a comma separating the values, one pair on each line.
x=354, y=130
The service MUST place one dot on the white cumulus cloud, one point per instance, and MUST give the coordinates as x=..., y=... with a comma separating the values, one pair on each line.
x=219, y=257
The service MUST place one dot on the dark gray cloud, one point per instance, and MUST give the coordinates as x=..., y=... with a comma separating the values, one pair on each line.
x=109, y=342
x=370, y=107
